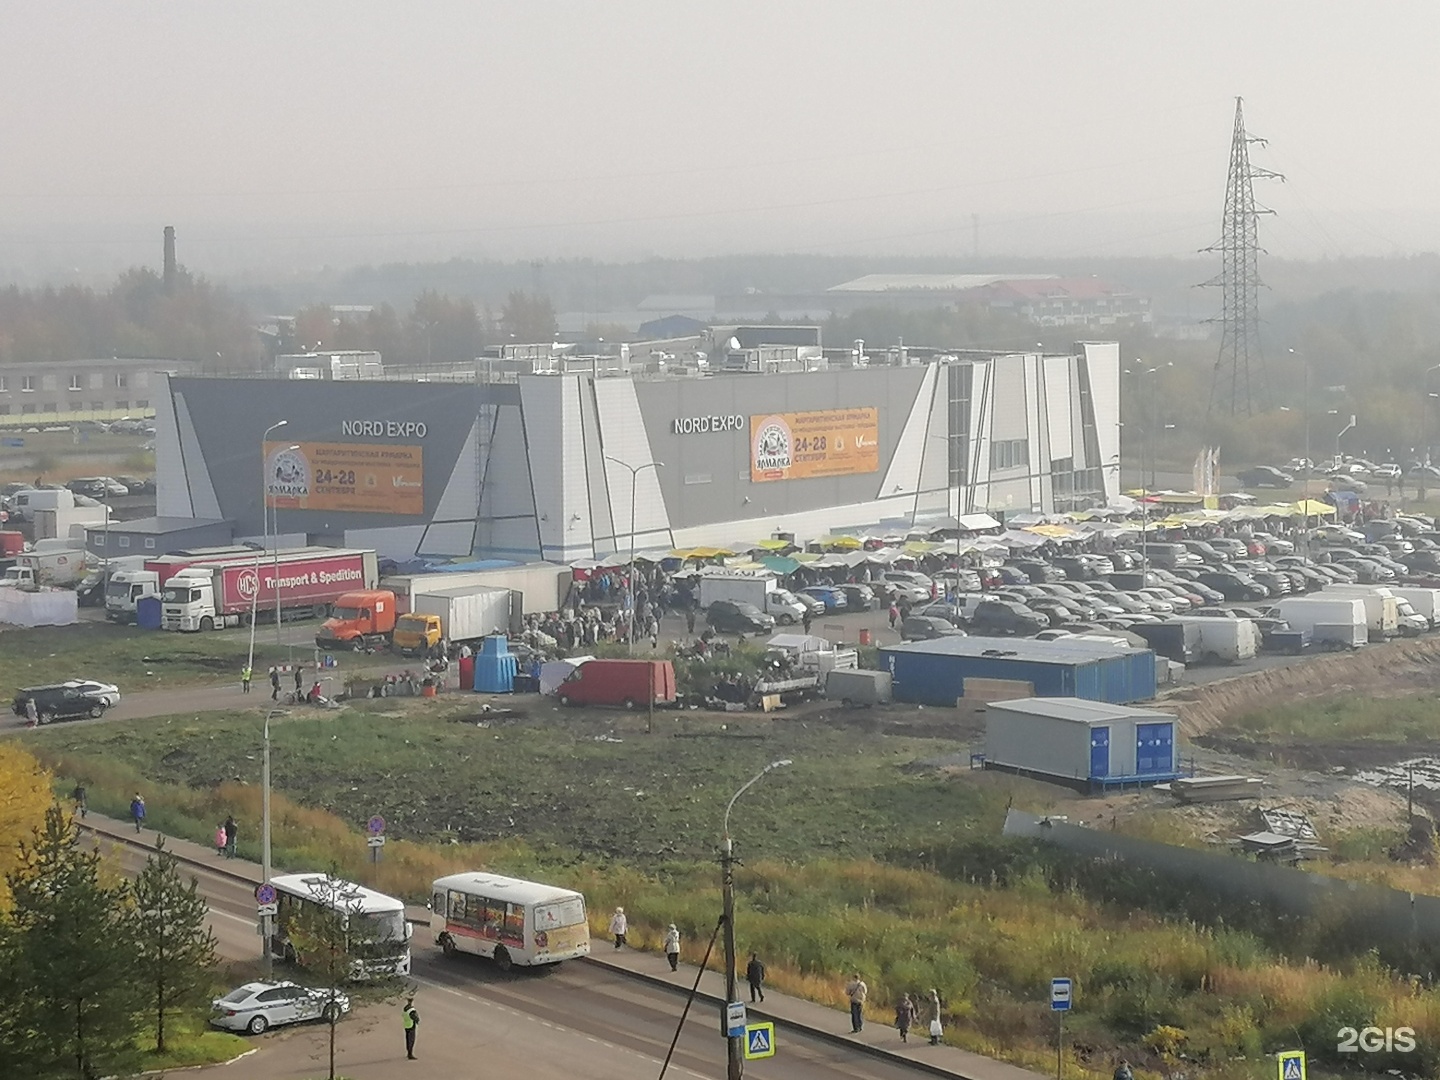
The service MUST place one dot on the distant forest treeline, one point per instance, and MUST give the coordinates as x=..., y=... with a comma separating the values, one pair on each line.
x=1366, y=330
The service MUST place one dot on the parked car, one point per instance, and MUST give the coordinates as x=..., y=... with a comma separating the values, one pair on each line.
x=108, y=693
x=98, y=487
x=858, y=597
x=266, y=1004
x=1388, y=471
x=951, y=613
x=59, y=701
x=1056, y=611
x=904, y=587
x=734, y=617
x=137, y=486
x=1038, y=572
x=1264, y=476
x=832, y=596
x=927, y=628
x=1233, y=586
x=1007, y=617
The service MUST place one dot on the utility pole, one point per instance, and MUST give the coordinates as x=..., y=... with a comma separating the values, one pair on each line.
x=734, y=1048
x=634, y=475
x=1238, y=388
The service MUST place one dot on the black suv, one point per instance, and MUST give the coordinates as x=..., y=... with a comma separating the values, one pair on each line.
x=1007, y=617
x=730, y=616
x=57, y=703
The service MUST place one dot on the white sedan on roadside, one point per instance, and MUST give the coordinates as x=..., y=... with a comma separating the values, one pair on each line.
x=108, y=693
x=260, y=1005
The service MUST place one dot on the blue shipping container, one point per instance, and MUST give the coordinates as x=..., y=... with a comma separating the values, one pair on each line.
x=934, y=672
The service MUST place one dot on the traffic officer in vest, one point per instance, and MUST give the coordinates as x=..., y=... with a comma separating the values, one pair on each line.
x=412, y=1021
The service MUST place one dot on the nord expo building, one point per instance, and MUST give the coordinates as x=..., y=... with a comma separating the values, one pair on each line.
x=541, y=466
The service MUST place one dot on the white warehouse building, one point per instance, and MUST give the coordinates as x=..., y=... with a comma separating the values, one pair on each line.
x=541, y=466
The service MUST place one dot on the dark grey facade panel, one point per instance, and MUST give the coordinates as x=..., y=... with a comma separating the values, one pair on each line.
x=231, y=415
x=724, y=456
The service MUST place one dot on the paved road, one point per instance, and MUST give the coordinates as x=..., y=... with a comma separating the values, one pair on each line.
x=580, y=1019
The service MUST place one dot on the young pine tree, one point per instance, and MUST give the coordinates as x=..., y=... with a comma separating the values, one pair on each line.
x=174, y=948
x=71, y=996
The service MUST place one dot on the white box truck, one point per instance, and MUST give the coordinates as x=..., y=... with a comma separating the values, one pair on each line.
x=761, y=591
x=56, y=567
x=1425, y=602
x=467, y=613
x=1332, y=621
x=1382, y=613
x=1224, y=641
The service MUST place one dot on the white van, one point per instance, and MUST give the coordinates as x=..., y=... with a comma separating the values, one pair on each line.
x=23, y=504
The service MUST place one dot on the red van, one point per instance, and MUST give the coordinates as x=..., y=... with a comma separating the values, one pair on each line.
x=626, y=683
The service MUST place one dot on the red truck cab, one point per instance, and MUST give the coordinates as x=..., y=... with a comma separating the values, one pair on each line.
x=628, y=684
x=359, y=620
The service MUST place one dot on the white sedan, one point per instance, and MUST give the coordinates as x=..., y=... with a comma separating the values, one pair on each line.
x=108, y=693
x=260, y=1005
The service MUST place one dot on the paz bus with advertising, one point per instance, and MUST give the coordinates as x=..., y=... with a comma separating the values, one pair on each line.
x=376, y=923
x=509, y=920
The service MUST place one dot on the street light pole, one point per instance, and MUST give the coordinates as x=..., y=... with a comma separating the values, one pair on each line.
x=1425, y=404
x=265, y=837
x=734, y=1049
x=634, y=475
x=264, y=535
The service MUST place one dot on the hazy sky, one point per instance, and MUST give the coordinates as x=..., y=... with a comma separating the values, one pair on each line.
x=294, y=133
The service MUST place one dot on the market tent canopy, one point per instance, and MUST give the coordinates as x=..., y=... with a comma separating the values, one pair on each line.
x=701, y=553
x=781, y=564
x=774, y=545
x=1312, y=506
x=847, y=542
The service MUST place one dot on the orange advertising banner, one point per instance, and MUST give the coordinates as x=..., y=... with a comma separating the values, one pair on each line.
x=828, y=442
x=371, y=478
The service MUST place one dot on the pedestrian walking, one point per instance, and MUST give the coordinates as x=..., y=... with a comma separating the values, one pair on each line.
x=1122, y=1071
x=299, y=675
x=232, y=832
x=245, y=679
x=411, y=1019
x=32, y=714
x=672, y=947
x=220, y=839
x=78, y=795
x=274, y=684
x=690, y=621
x=618, y=926
x=905, y=1017
x=894, y=615
x=857, y=992
x=806, y=619
x=755, y=976
x=935, y=1029
x=137, y=811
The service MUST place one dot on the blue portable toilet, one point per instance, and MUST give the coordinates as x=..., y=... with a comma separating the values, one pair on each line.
x=495, y=666
x=147, y=613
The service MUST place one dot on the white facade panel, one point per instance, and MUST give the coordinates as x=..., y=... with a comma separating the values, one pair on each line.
x=172, y=491
x=623, y=439
x=1060, y=404
x=906, y=465
x=1103, y=363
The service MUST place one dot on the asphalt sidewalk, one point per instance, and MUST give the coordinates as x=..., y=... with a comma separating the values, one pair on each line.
x=878, y=1038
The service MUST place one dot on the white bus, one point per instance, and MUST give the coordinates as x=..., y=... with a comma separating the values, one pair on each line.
x=384, y=948
x=511, y=921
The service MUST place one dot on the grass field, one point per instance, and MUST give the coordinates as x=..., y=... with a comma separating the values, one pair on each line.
x=132, y=659
x=1343, y=720
x=597, y=785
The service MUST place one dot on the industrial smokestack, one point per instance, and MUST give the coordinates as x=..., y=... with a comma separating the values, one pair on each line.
x=169, y=258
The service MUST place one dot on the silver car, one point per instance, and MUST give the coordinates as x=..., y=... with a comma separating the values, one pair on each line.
x=109, y=693
x=260, y=1005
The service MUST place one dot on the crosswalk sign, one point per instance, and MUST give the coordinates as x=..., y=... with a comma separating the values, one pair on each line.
x=1291, y=1064
x=759, y=1041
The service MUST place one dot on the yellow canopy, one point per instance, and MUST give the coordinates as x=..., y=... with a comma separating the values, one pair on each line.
x=773, y=545
x=849, y=543
x=1313, y=506
x=701, y=553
